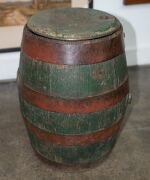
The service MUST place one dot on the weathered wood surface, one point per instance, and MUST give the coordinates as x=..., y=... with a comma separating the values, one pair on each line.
x=73, y=140
x=73, y=23
x=72, y=52
x=73, y=93
x=86, y=105
x=70, y=81
x=72, y=123
x=73, y=154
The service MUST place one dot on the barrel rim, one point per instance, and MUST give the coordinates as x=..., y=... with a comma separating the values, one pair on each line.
x=84, y=41
x=83, y=23
x=72, y=52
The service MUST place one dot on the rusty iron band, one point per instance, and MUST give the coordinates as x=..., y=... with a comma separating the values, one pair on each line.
x=87, y=105
x=72, y=52
x=73, y=140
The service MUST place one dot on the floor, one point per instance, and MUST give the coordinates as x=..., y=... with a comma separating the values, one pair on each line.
x=130, y=158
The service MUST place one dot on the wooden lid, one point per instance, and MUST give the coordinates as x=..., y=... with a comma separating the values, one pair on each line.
x=73, y=24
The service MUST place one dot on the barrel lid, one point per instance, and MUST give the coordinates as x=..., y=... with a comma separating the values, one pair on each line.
x=73, y=23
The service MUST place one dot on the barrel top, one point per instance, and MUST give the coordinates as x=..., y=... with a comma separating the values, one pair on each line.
x=73, y=24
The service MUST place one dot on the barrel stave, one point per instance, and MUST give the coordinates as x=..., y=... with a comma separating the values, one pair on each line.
x=73, y=81
x=76, y=123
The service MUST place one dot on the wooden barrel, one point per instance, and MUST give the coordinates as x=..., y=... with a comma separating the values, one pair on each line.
x=73, y=84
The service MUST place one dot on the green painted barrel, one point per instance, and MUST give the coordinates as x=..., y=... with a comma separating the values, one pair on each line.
x=73, y=84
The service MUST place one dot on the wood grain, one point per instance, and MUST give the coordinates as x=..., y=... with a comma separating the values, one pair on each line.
x=72, y=124
x=73, y=140
x=73, y=82
x=72, y=52
x=128, y=2
x=88, y=105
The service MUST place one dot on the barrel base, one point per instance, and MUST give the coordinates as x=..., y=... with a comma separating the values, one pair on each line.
x=83, y=156
x=71, y=167
x=68, y=167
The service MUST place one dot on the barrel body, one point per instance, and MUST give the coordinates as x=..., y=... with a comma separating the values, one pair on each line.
x=73, y=95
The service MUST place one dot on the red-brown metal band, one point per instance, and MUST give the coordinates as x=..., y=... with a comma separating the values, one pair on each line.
x=72, y=52
x=88, y=105
x=72, y=140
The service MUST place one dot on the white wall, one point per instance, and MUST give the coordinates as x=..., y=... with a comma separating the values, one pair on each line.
x=9, y=63
x=136, y=23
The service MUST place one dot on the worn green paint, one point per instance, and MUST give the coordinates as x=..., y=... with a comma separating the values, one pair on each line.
x=73, y=81
x=73, y=23
x=73, y=154
x=61, y=123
